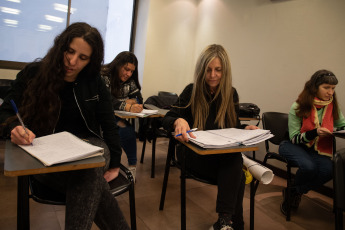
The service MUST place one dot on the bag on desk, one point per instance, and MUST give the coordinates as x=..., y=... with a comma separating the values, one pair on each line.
x=249, y=110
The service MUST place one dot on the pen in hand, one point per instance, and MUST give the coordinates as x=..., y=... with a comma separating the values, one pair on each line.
x=136, y=98
x=19, y=118
x=191, y=130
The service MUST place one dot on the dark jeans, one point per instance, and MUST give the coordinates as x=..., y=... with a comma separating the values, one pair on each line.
x=128, y=141
x=88, y=198
x=226, y=171
x=313, y=169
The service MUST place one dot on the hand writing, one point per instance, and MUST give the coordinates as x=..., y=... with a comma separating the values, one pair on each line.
x=19, y=136
x=136, y=108
x=323, y=132
x=181, y=127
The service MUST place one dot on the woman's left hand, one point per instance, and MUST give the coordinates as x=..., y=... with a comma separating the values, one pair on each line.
x=131, y=101
x=111, y=174
x=251, y=127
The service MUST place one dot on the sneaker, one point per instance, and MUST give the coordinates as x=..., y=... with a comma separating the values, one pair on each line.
x=221, y=224
x=133, y=170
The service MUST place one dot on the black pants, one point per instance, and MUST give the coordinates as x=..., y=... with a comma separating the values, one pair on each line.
x=225, y=170
x=88, y=198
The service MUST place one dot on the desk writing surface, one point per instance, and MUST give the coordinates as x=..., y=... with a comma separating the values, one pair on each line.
x=162, y=112
x=235, y=149
x=127, y=116
x=20, y=163
x=340, y=135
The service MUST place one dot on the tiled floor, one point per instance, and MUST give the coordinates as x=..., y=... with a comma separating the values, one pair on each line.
x=315, y=211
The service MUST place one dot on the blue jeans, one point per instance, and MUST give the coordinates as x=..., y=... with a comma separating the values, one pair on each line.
x=128, y=141
x=313, y=169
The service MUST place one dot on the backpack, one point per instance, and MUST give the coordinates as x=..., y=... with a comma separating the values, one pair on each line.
x=249, y=110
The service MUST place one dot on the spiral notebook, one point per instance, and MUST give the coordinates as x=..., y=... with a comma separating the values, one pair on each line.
x=60, y=148
x=223, y=138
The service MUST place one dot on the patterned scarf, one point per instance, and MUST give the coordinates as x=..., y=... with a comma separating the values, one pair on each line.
x=323, y=145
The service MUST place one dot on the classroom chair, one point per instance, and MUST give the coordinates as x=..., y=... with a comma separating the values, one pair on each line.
x=278, y=124
x=339, y=187
x=152, y=127
x=123, y=183
x=171, y=161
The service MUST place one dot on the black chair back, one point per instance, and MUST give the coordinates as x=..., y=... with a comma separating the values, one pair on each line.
x=277, y=123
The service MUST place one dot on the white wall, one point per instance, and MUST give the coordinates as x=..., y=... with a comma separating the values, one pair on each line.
x=8, y=73
x=274, y=46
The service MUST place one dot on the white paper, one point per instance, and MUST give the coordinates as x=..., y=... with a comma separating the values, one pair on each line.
x=143, y=113
x=222, y=138
x=259, y=172
x=61, y=147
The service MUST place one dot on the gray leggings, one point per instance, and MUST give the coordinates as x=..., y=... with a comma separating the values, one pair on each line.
x=88, y=198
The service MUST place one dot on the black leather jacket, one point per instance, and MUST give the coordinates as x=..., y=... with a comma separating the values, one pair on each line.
x=93, y=100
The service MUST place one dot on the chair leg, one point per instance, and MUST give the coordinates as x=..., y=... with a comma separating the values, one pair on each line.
x=143, y=151
x=132, y=207
x=171, y=151
x=338, y=219
x=253, y=186
x=288, y=194
x=183, y=191
x=153, y=160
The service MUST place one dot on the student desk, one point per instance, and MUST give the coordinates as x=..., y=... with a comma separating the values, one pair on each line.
x=161, y=113
x=202, y=151
x=21, y=164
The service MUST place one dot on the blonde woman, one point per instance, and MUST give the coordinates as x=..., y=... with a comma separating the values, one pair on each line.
x=212, y=103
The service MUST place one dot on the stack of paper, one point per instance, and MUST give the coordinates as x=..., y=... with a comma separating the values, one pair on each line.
x=143, y=113
x=223, y=138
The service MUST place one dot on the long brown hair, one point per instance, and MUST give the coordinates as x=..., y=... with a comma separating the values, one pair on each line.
x=200, y=99
x=305, y=99
x=112, y=69
x=41, y=104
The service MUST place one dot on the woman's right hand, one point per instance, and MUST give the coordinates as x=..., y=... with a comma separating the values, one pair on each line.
x=323, y=132
x=181, y=127
x=20, y=137
x=136, y=108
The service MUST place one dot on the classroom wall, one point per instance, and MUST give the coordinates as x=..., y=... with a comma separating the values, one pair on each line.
x=274, y=46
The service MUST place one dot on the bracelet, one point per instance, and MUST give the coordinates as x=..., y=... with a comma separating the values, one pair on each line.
x=130, y=108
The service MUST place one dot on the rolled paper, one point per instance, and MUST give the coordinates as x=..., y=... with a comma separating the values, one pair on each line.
x=259, y=172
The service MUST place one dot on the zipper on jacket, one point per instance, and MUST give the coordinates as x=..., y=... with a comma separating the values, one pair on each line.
x=83, y=115
x=58, y=115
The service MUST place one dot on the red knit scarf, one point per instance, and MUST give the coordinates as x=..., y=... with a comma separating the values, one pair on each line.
x=323, y=145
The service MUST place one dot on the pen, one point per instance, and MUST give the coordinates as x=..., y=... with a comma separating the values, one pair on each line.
x=191, y=130
x=19, y=118
x=137, y=100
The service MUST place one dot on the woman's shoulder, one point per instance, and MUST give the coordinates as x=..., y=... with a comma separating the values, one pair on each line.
x=188, y=88
x=28, y=71
x=106, y=80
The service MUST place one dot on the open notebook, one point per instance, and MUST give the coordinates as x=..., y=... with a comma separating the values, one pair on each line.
x=61, y=147
x=223, y=138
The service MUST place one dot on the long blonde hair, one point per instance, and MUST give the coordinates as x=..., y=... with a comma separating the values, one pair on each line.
x=199, y=102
